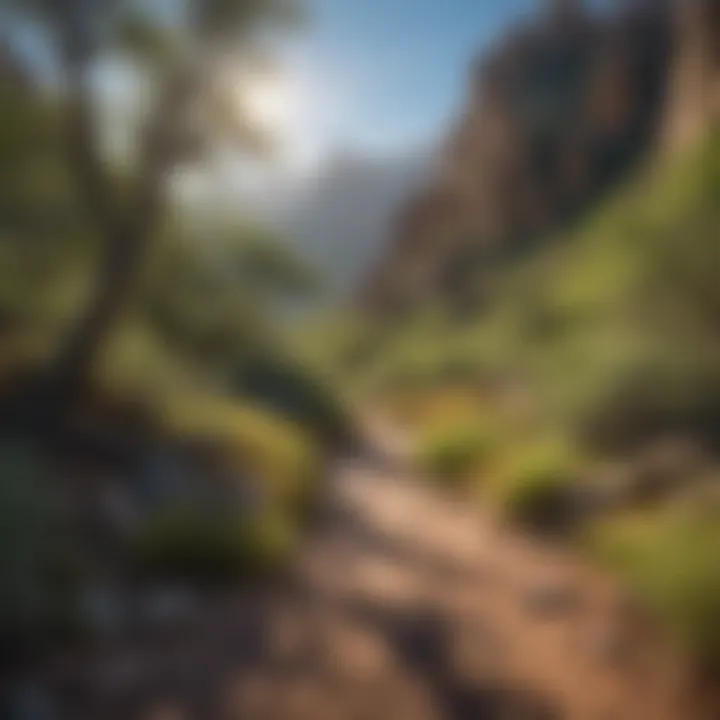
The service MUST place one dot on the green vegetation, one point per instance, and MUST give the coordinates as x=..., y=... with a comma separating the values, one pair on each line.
x=534, y=488
x=142, y=330
x=611, y=330
x=452, y=453
x=296, y=393
x=287, y=458
x=632, y=351
x=188, y=545
x=607, y=338
x=670, y=560
x=25, y=532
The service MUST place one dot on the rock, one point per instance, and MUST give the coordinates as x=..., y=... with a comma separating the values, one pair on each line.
x=545, y=109
x=167, y=606
x=119, y=676
x=551, y=598
x=610, y=647
x=607, y=489
x=166, y=711
x=104, y=609
x=666, y=467
x=118, y=509
x=31, y=701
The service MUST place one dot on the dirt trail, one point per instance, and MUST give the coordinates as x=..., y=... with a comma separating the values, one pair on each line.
x=404, y=605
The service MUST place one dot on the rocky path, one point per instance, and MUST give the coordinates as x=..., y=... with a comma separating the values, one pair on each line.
x=403, y=606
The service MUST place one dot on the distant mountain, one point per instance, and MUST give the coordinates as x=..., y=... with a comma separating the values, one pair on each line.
x=337, y=218
x=340, y=217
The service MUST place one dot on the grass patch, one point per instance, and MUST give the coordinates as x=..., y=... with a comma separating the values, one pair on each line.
x=670, y=559
x=188, y=545
x=289, y=460
x=451, y=453
x=533, y=489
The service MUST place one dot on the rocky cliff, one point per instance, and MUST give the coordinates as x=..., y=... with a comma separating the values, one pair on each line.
x=694, y=88
x=557, y=114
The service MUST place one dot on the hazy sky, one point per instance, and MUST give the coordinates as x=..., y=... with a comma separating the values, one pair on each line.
x=386, y=74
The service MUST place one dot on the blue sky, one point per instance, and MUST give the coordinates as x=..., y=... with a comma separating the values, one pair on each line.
x=389, y=74
x=381, y=76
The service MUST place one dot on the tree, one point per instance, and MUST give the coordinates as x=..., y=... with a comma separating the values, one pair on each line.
x=190, y=54
x=215, y=304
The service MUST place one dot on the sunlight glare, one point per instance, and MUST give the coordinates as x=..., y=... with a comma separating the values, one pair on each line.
x=270, y=102
x=295, y=109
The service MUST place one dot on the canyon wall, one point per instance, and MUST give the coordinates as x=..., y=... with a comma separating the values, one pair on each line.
x=557, y=114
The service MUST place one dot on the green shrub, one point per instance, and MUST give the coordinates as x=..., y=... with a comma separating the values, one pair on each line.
x=39, y=573
x=451, y=453
x=288, y=459
x=535, y=490
x=24, y=536
x=670, y=560
x=292, y=392
x=662, y=390
x=188, y=545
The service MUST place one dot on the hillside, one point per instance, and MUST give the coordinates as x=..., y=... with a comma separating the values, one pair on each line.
x=583, y=402
x=557, y=115
x=544, y=324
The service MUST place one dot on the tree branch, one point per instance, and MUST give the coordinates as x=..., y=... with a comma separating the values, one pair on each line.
x=83, y=144
x=160, y=151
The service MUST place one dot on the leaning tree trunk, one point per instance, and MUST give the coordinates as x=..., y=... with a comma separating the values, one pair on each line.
x=70, y=374
x=126, y=236
x=125, y=229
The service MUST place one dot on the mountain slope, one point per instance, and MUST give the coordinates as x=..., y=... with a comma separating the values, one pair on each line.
x=558, y=114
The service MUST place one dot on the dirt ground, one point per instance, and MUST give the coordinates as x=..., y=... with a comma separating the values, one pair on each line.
x=404, y=605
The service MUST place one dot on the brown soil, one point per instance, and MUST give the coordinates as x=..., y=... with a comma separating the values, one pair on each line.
x=404, y=605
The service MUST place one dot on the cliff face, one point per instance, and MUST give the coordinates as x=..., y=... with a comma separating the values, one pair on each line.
x=558, y=113
x=694, y=92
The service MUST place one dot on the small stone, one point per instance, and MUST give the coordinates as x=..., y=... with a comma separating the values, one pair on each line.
x=551, y=599
x=610, y=648
x=119, y=676
x=31, y=701
x=166, y=606
x=104, y=609
x=166, y=711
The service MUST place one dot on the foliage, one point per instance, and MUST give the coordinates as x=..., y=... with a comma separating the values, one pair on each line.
x=638, y=350
x=160, y=329
x=670, y=559
x=44, y=248
x=29, y=594
x=189, y=545
x=534, y=489
x=187, y=60
x=195, y=315
x=612, y=328
x=451, y=453
x=293, y=391
x=234, y=282
x=286, y=458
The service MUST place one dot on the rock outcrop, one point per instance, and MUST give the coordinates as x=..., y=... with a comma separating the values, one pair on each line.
x=694, y=95
x=557, y=114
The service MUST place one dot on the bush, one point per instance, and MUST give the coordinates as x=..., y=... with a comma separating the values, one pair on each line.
x=535, y=488
x=664, y=391
x=292, y=392
x=451, y=453
x=185, y=544
x=670, y=560
x=24, y=536
x=288, y=460
x=39, y=573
